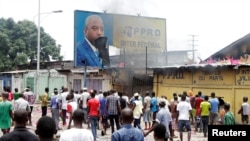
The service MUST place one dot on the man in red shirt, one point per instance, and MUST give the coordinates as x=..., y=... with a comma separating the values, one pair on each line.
x=197, y=103
x=93, y=107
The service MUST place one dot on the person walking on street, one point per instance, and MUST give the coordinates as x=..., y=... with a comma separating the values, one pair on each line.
x=173, y=110
x=137, y=111
x=30, y=97
x=146, y=111
x=16, y=94
x=63, y=106
x=127, y=132
x=197, y=103
x=215, y=106
x=20, y=132
x=55, y=103
x=244, y=111
x=113, y=108
x=184, y=109
x=104, y=115
x=77, y=132
x=46, y=128
x=93, y=113
x=83, y=104
x=162, y=117
x=229, y=116
x=159, y=132
x=154, y=106
x=21, y=103
x=6, y=115
x=205, y=110
x=44, y=101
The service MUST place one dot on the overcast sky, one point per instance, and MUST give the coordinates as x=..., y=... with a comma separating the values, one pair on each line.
x=217, y=23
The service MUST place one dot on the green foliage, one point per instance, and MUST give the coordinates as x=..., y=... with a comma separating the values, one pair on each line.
x=18, y=44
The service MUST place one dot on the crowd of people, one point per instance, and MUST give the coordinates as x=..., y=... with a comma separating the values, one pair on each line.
x=114, y=110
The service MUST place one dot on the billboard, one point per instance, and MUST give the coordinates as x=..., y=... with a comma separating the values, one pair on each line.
x=115, y=34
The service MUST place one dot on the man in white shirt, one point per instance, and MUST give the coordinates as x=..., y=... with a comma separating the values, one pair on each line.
x=30, y=97
x=83, y=103
x=63, y=106
x=77, y=98
x=183, y=110
x=77, y=133
x=21, y=103
x=146, y=111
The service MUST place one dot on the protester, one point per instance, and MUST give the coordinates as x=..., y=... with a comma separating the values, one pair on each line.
x=127, y=132
x=46, y=128
x=6, y=115
x=77, y=132
x=20, y=132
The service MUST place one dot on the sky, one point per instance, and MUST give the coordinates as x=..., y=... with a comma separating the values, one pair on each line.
x=215, y=23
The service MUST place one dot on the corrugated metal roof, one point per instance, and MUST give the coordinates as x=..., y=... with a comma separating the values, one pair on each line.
x=197, y=66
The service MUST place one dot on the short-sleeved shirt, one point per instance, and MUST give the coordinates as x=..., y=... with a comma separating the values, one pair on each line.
x=94, y=106
x=30, y=97
x=138, y=109
x=214, y=105
x=229, y=118
x=205, y=106
x=71, y=107
x=112, y=103
x=5, y=119
x=154, y=104
x=103, y=106
x=84, y=98
x=64, y=102
x=183, y=108
x=75, y=134
x=44, y=99
x=16, y=95
x=54, y=102
x=21, y=103
x=245, y=108
x=128, y=133
x=146, y=101
x=19, y=134
x=164, y=117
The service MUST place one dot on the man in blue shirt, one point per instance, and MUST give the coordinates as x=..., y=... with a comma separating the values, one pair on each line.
x=214, y=109
x=54, y=103
x=127, y=132
x=92, y=50
x=162, y=117
x=154, y=106
x=104, y=114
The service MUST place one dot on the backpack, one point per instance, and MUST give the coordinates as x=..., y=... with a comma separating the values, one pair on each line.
x=123, y=103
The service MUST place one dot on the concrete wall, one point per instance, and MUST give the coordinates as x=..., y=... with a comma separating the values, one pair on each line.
x=232, y=84
x=47, y=78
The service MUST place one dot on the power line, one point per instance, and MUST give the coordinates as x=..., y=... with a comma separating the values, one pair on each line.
x=193, y=46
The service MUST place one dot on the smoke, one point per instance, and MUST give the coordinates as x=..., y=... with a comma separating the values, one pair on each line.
x=130, y=7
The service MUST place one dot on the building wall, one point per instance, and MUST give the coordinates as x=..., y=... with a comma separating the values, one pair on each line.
x=17, y=81
x=47, y=78
x=5, y=80
x=231, y=84
x=98, y=81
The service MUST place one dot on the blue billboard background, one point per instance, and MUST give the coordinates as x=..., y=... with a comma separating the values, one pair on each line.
x=79, y=23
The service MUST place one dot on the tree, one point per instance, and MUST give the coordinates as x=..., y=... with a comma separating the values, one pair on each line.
x=18, y=44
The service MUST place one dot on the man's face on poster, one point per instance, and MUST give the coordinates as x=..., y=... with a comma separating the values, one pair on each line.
x=94, y=29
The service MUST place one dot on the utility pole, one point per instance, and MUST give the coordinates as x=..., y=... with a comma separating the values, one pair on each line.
x=193, y=46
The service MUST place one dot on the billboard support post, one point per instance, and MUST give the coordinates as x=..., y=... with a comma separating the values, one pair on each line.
x=85, y=75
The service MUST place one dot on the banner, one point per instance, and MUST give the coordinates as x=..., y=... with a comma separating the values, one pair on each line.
x=125, y=35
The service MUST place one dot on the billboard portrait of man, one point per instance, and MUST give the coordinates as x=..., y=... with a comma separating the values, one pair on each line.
x=93, y=49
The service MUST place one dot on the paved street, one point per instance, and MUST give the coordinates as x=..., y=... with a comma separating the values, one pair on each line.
x=37, y=114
